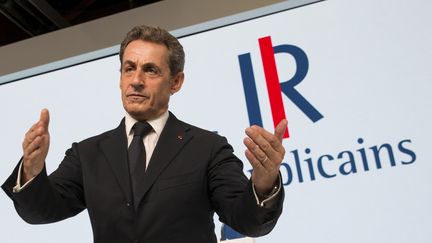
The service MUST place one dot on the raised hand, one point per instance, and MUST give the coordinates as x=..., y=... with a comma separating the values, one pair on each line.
x=265, y=153
x=35, y=147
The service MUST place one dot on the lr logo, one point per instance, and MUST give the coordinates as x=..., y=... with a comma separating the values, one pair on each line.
x=274, y=86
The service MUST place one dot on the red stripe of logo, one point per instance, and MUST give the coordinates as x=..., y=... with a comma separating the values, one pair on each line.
x=272, y=81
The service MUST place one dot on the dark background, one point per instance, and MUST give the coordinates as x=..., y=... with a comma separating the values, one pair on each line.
x=23, y=19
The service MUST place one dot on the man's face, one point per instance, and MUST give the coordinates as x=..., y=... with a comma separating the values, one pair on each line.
x=146, y=82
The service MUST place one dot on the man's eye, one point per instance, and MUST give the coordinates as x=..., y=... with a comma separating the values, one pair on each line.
x=151, y=70
x=128, y=69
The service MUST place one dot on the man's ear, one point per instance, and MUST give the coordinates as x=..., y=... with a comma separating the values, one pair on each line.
x=177, y=82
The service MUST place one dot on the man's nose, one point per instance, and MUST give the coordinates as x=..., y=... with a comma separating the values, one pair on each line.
x=138, y=79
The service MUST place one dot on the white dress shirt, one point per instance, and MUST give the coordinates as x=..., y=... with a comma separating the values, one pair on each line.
x=151, y=139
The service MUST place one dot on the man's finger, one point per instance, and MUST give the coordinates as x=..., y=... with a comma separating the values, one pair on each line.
x=263, y=137
x=255, y=149
x=29, y=135
x=35, y=144
x=252, y=160
x=280, y=129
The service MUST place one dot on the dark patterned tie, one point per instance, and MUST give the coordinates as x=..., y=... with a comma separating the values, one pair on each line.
x=137, y=156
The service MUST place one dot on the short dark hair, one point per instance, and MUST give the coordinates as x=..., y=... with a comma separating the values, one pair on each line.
x=176, y=55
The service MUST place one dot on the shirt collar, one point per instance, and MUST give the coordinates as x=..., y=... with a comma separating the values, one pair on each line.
x=157, y=124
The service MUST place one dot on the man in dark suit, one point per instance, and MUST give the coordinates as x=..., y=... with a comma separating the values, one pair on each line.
x=186, y=174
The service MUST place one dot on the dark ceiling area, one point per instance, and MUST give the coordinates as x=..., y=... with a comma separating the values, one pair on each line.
x=22, y=19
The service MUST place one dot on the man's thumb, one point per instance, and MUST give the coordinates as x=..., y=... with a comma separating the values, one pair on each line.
x=44, y=117
x=280, y=129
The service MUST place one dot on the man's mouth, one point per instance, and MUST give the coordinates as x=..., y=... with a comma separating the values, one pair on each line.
x=136, y=97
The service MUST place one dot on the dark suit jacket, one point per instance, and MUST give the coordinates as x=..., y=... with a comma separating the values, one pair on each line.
x=192, y=174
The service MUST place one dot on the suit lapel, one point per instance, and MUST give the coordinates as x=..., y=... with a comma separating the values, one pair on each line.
x=171, y=141
x=115, y=149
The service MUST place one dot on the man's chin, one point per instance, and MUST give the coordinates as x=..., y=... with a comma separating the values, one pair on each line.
x=140, y=114
x=135, y=110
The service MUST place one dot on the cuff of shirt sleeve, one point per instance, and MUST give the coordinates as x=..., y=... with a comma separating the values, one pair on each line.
x=268, y=199
x=17, y=188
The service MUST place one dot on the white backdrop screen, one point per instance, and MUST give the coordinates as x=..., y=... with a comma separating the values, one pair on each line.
x=355, y=83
